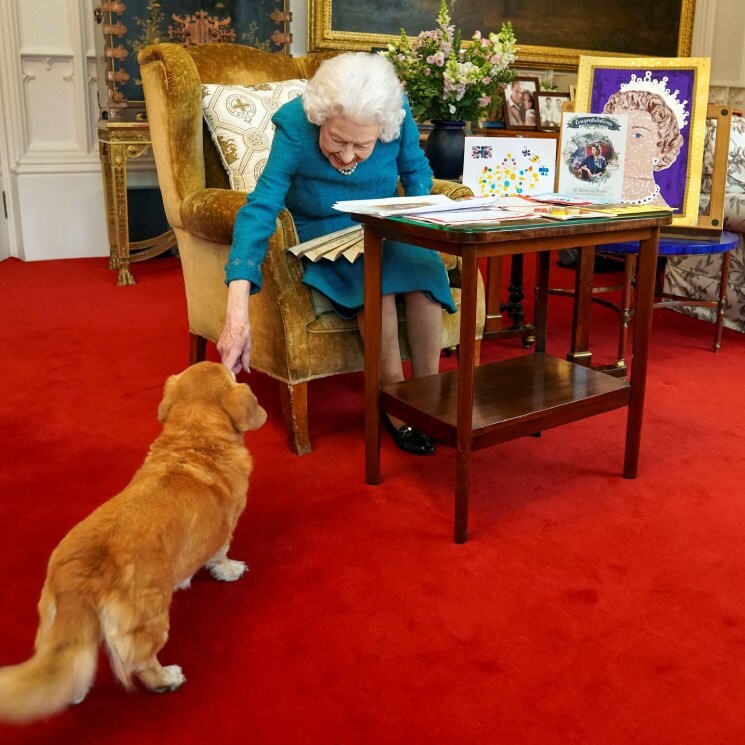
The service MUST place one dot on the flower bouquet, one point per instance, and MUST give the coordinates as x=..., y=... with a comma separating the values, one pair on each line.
x=447, y=83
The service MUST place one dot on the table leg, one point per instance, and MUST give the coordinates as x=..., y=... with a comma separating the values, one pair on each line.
x=464, y=433
x=514, y=306
x=373, y=332
x=579, y=351
x=108, y=195
x=722, y=303
x=543, y=265
x=493, y=321
x=640, y=351
x=119, y=190
x=629, y=269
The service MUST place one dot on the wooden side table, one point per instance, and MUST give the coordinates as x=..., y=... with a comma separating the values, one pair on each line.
x=117, y=143
x=479, y=406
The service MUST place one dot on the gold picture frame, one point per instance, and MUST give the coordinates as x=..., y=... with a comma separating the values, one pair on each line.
x=355, y=33
x=682, y=85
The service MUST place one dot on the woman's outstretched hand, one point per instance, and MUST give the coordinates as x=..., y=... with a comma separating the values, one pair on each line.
x=234, y=344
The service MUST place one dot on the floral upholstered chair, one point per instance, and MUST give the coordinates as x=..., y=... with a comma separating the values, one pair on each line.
x=698, y=276
x=293, y=340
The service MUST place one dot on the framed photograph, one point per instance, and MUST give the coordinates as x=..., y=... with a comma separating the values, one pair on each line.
x=520, y=104
x=549, y=107
x=666, y=102
x=547, y=38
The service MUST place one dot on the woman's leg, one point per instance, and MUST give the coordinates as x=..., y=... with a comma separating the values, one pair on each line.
x=391, y=369
x=424, y=333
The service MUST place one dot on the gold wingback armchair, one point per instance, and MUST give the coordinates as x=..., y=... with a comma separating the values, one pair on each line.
x=290, y=340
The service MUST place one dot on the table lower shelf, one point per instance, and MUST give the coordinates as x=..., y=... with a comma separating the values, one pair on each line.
x=511, y=398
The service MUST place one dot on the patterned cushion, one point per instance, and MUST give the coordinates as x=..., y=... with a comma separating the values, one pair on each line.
x=698, y=277
x=239, y=120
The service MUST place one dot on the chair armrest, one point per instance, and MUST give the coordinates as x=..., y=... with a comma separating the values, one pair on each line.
x=451, y=189
x=283, y=309
x=210, y=214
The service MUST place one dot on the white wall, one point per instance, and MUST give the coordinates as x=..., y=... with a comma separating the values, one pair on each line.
x=4, y=234
x=728, y=57
x=4, y=231
x=53, y=177
x=49, y=164
x=299, y=28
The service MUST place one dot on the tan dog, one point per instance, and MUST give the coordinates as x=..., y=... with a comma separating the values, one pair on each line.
x=113, y=575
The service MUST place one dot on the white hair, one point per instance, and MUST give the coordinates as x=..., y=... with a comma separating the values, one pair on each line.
x=358, y=86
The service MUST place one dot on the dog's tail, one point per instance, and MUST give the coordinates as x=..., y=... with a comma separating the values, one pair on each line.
x=63, y=666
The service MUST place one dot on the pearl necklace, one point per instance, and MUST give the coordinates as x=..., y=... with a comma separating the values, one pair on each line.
x=347, y=171
x=645, y=200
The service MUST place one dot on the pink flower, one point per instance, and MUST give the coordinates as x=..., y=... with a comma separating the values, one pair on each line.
x=484, y=101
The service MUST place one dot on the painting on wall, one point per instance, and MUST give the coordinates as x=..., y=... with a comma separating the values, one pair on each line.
x=550, y=34
x=665, y=100
x=129, y=26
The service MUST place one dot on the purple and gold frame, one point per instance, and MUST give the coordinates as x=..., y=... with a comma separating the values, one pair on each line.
x=685, y=83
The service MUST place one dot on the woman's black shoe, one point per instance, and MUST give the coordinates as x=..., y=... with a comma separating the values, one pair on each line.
x=409, y=439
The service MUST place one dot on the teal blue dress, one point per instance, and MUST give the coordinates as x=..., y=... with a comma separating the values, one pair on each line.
x=299, y=177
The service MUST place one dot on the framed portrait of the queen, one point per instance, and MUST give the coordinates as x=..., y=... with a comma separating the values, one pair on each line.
x=666, y=102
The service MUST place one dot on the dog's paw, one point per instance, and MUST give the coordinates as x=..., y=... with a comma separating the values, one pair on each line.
x=174, y=679
x=185, y=585
x=228, y=570
x=80, y=698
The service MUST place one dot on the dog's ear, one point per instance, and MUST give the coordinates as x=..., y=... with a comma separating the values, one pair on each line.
x=169, y=391
x=243, y=408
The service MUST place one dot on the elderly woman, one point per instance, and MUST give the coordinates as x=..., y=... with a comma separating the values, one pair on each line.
x=653, y=143
x=351, y=135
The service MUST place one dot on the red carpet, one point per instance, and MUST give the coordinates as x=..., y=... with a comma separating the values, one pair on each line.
x=585, y=608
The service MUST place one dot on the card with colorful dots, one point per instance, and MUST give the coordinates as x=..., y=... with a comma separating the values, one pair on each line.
x=509, y=166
